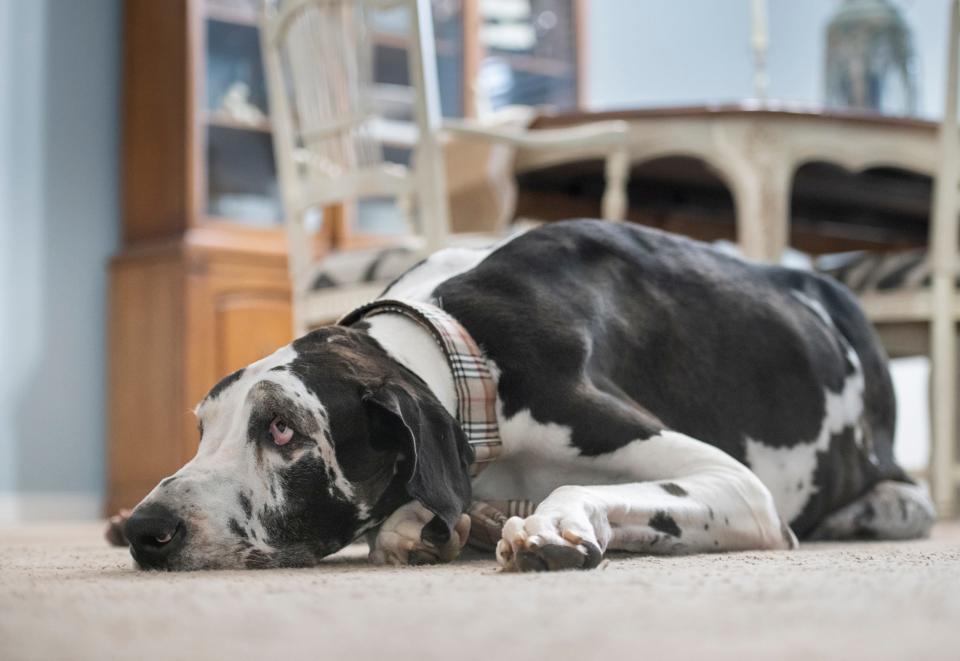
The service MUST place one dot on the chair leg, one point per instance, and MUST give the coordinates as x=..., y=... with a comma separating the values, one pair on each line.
x=943, y=365
x=614, y=205
x=760, y=183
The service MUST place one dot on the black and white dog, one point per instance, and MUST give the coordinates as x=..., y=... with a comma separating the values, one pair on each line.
x=652, y=395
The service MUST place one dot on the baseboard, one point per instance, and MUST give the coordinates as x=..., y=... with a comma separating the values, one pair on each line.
x=25, y=507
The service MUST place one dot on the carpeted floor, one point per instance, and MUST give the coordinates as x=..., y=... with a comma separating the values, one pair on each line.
x=65, y=595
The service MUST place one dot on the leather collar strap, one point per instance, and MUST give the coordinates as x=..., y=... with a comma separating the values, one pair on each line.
x=473, y=383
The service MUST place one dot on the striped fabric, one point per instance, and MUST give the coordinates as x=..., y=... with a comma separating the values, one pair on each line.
x=353, y=267
x=474, y=384
x=871, y=272
x=487, y=519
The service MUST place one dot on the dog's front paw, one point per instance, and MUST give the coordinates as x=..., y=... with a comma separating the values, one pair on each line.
x=399, y=540
x=548, y=542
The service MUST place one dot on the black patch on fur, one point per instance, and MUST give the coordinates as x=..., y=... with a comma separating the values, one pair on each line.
x=168, y=480
x=663, y=522
x=673, y=489
x=237, y=529
x=313, y=521
x=224, y=383
x=246, y=505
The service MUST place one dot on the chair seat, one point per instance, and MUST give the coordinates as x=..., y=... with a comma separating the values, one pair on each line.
x=364, y=267
x=892, y=287
x=325, y=306
x=346, y=280
x=898, y=306
x=868, y=272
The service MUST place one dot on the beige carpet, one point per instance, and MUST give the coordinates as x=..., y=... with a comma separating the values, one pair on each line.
x=65, y=595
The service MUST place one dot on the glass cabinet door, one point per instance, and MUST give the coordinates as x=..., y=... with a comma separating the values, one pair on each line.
x=530, y=53
x=241, y=178
x=525, y=53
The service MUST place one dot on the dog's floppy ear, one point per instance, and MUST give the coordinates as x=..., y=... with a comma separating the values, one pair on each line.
x=436, y=454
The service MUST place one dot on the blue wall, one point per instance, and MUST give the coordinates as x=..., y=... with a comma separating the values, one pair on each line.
x=648, y=52
x=59, y=133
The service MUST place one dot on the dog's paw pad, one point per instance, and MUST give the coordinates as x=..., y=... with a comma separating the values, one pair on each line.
x=552, y=547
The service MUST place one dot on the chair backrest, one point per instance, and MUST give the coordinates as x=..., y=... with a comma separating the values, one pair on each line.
x=943, y=230
x=328, y=124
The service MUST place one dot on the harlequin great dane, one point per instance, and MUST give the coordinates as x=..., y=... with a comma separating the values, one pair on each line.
x=620, y=388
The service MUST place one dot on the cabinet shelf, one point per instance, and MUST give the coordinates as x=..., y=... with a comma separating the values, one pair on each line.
x=220, y=119
x=227, y=12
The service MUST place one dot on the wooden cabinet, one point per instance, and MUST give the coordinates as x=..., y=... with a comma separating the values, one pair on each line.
x=200, y=287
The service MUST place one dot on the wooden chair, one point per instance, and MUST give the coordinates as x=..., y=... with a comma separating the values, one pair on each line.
x=926, y=318
x=329, y=129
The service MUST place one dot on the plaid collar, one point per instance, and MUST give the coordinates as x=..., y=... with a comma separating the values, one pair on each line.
x=473, y=383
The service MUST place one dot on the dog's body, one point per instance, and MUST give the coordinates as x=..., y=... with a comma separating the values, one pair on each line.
x=638, y=375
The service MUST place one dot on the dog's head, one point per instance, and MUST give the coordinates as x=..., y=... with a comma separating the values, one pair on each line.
x=301, y=453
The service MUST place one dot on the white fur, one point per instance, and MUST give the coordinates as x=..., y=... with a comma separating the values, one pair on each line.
x=417, y=350
x=418, y=283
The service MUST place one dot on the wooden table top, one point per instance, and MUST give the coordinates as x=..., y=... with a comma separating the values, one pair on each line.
x=746, y=109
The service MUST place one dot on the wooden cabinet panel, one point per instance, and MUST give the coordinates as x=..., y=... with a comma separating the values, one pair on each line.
x=182, y=317
x=145, y=386
x=249, y=327
x=193, y=296
x=159, y=169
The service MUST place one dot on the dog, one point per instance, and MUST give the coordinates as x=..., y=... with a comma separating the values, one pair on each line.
x=615, y=388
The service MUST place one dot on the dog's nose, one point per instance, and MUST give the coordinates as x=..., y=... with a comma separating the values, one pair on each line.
x=155, y=535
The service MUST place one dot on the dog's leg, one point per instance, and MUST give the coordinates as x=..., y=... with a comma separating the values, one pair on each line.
x=398, y=540
x=693, y=498
x=890, y=510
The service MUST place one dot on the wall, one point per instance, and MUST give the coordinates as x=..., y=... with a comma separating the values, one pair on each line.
x=643, y=52
x=59, y=124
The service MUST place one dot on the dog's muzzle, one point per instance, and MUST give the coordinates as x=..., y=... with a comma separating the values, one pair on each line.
x=155, y=535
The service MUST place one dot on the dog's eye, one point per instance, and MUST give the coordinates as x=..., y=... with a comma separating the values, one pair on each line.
x=280, y=432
